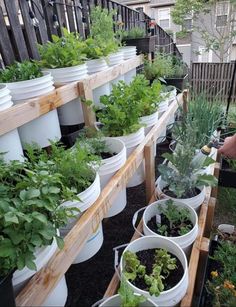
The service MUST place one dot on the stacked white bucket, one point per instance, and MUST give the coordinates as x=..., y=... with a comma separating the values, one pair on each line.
x=95, y=66
x=129, y=53
x=44, y=128
x=9, y=142
x=95, y=241
x=115, y=59
x=70, y=113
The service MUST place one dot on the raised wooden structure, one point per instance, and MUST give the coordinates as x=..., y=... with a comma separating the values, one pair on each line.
x=44, y=281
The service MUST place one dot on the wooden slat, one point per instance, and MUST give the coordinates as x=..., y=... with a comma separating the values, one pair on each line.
x=41, y=31
x=86, y=16
x=29, y=31
x=5, y=43
x=20, y=114
x=48, y=14
x=78, y=17
x=149, y=170
x=44, y=281
x=16, y=30
x=70, y=14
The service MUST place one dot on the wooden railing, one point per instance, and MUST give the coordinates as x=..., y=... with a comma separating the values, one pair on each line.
x=19, y=38
x=213, y=80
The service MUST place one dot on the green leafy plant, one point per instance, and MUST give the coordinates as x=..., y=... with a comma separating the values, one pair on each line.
x=128, y=298
x=135, y=32
x=182, y=176
x=121, y=113
x=66, y=51
x=162, y=266
x=27, y=70
x=30, y=212
x=102, y=40
x=177, y=217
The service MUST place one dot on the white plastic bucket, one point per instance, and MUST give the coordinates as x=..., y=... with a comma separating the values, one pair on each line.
x=116, y=80
x=129, y=52
x=91, y=247
x=10, y=141
x=116, y=58
x=172, y=95
x=131, y=142
x=194, y=202
x=174, y=295
x=129, y=76
x=58, y=296
x=226, y=228
x=44, y=128
x=163, y=106
x=95, y=66
x=109, y=167
x=185, y=241
x=115, y=301
x=149, y=121
x=87, y=198
x=72, y=112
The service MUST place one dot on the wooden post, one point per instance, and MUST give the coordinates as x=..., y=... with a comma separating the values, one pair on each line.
x=210, y=216
x=214, y=191
x=86, y=93
x=149, y=170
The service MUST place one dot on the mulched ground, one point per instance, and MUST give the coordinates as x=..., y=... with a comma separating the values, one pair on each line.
x=88, y=281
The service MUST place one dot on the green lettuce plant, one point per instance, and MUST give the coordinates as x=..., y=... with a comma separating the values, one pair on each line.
x=66, y=51
x=27, y=70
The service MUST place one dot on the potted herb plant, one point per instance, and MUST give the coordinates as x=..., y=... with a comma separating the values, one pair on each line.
x=156, y=268
x=31, y=214
x=10, y=143
x=64, y=59
x=136, y=36
x=112, y=153
x=120, y=119
x=26, y=80
x=182, y=178
x=174, y=220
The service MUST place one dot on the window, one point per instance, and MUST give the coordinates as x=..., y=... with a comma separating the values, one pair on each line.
x=204, y=55
x=222, y=12
x=164, y=18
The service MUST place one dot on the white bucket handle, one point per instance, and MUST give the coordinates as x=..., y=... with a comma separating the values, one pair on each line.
x=171, y=144
x=116, y=258
x=134, y=220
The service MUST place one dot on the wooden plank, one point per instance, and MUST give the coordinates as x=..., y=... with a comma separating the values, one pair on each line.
x=6, y=49
x=86, y=16
x=31, y=38
x=60, y=13
x=41, y=31
x=48, y=14
x=16, y=30
x=149, y=170
x=78, y=17
x=88, y=112
x=70, y=15
x=44, y=281
x=210, y=217
x=20, y=114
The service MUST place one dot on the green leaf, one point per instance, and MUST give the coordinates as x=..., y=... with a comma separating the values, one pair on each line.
x=31, y=265
x=14, y=235
x=60, y=242
x=36, y=240
x=11, y=217
x=40, y=217
x=7, y=249
x=32, y=193
x=54, y=190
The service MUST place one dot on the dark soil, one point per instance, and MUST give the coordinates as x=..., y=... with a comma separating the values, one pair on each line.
x=174, y=232
x=106, y=155
x=189, y=194
x=146, y=258
x=88, y=281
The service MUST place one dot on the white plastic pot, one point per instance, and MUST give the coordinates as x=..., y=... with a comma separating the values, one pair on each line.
x=115, y=301
x=163, y=106
x=226, y=228
x=129, y=76
x=185, y=241
x=109, y=167
x=59, y=295
x=70, y=113
x=131, y=142
x=162, y=137
x=149, y=121
x=194, y=202
x=116, y=58
x=129, y=52
x=95, y=66
x=87, y=198
x=44, y=128
x=174, y=295
x=172, y=95
x=10, y=141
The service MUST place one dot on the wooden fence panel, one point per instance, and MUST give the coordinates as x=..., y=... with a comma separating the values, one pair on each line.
x=213, y=80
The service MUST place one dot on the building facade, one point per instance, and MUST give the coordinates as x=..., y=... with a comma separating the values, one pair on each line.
x=189, y=42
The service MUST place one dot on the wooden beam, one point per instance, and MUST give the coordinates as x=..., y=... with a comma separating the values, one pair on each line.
x=210, y=216
x=149, y=170
x=44, y=281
